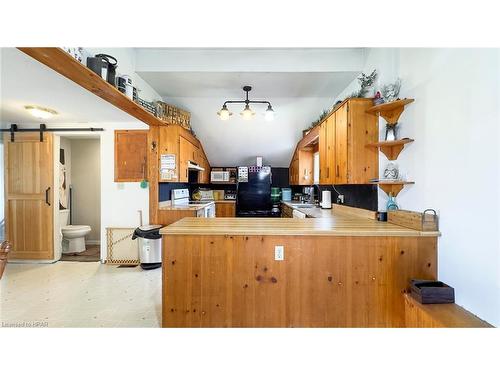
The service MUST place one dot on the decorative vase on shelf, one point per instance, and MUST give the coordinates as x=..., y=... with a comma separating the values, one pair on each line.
x=391, y=132
x=368, y=92
x=391, y=203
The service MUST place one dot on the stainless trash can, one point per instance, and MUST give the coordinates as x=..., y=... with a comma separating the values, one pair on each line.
x=149, y=245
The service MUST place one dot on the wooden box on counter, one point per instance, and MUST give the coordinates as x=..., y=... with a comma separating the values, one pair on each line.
x=426, y=221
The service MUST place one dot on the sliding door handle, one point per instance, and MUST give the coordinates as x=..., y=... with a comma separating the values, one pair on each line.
x=47, y=196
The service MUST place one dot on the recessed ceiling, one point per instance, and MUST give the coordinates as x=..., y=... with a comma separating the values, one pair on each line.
x=265, y=85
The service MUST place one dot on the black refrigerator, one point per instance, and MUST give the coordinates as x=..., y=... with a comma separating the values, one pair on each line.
x=254, y=196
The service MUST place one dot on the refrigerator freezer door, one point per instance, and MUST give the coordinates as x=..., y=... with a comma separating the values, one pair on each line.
x=255, y=194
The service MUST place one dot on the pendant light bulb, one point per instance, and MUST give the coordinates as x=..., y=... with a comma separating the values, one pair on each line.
x=269, y=115
x=247, y=113
x=224, y=113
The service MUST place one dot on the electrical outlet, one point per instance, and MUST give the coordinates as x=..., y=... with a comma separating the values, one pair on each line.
x=279, y=253
x=340, y=199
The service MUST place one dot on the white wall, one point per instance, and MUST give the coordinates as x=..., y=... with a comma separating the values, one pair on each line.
x=86, y=186
x=119, y=201
x=454, y=160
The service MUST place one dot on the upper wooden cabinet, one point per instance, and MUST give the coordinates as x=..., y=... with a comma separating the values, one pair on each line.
x=301, y=168
x=131, y=155
x=344, y=134
x=177, y=141
x=339, y=145
x=343, y=155
x=302, y=165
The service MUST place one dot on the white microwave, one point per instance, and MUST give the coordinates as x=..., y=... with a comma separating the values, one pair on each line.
x=219, y=176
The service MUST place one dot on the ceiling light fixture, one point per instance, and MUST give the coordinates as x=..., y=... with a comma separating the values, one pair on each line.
x=40, y=112
x=269, y=115
x=247, y=112
x=224, y=113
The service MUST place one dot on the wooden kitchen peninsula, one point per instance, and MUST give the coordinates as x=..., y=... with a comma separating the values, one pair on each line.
x=343, y=271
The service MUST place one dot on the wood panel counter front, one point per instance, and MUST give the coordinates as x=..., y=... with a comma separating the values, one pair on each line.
x=345, y=271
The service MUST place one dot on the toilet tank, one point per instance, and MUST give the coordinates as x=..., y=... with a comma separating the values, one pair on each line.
x=63, y=218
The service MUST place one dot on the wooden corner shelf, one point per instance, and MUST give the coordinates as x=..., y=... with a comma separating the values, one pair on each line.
x=391, y=149
x=390, y=111
x=392, y=187
x=63, y=63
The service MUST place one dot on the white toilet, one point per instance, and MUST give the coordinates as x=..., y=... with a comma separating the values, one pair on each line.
x=73, y=235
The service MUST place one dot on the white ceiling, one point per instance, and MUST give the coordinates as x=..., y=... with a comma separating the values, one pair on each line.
x=237, y=142
x=265, y=84
x=25, y=81
x=300, y=83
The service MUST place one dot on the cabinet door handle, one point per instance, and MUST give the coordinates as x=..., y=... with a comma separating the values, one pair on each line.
x=338, y=171
x=327, y=172
x=47, y=196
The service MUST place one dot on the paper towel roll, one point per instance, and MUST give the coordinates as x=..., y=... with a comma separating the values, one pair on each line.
x=326, y=199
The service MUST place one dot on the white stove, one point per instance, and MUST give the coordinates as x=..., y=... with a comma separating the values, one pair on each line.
x=180, y=197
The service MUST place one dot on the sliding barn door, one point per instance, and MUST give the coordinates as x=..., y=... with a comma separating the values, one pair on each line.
x=29, y=196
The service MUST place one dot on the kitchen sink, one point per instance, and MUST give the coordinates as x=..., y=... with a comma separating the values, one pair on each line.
x=303, y=205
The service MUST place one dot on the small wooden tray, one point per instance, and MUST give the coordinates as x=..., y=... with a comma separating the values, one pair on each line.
x=426, y=221
x=430, y=291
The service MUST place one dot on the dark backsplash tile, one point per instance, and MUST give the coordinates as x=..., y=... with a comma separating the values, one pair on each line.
x=280, y=177
x=360, y=196
x=166, y=187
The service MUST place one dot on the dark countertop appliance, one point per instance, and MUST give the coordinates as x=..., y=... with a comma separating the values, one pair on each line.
x=254, y=196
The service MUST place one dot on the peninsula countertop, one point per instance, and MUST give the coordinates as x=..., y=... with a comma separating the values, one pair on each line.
x=337, y=225
x=167, y=205
x=319, y=213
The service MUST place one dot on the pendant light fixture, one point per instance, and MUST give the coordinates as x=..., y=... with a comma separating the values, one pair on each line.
x=247, y=112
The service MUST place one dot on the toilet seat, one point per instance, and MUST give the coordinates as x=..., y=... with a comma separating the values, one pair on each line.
x=70, y=228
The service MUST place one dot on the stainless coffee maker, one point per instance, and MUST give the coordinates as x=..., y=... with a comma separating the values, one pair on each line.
x=308, y=196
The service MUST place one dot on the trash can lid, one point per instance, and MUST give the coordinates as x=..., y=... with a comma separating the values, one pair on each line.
x=151, y=232
x=150, y=227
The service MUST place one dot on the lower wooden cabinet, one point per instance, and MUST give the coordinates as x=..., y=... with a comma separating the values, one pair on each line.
x=225, y=209
x=286, y=211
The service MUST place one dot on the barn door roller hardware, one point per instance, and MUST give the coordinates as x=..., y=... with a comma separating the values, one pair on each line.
x=43, y=128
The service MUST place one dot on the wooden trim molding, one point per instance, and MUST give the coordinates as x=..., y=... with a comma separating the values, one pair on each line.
x=64, y=64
